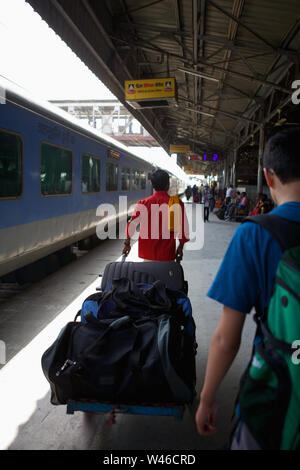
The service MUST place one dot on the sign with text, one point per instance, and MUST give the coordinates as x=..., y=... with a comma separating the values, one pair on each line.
x=150, y=88
x=180, y=148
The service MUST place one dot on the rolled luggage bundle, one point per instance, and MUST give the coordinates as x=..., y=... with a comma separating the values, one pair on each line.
x=135, y=342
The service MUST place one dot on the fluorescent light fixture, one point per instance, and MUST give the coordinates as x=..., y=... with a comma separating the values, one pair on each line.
x=198, y=74
x=200, y=112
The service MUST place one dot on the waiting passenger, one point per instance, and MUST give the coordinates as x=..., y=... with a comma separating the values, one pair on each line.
x=254, y=254
x=231, y=209
x=266, y=205
x=188, y=193
x=244, y=202
x=162, y=220
x=206, y=201
x=229, y=194
x=257, y=208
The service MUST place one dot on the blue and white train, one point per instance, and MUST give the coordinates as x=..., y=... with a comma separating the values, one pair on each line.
x=54, y=173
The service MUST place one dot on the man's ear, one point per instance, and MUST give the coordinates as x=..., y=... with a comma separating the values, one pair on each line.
x=269, y=178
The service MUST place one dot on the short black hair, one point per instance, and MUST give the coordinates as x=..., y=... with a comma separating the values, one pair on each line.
x=160, y=180
x=282, y=154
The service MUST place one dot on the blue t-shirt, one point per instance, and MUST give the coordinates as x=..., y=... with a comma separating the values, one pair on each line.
x=246, y=275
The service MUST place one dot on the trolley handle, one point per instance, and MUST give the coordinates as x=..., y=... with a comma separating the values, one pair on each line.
x=125, y=256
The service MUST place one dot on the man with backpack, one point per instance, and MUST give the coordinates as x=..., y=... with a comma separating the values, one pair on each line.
x=266, y=254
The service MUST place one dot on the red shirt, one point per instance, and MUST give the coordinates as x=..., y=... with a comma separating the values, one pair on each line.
x=156, y=241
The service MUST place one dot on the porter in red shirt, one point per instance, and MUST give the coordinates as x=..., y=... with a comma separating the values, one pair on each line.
x=156, y=241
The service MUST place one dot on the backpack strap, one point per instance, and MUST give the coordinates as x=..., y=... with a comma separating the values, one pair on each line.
x=285, y=231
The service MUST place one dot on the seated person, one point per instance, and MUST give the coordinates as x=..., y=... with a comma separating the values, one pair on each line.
x=244, y=202
x=233, y=205
x=266, y=205
x=263, y=205
x=257, y=208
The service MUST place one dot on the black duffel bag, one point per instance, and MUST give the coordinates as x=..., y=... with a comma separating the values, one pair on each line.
x=124, y=360
x=221, y=213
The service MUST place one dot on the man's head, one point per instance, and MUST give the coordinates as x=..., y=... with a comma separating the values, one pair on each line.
x=282, y=155
x=281, y=164
x=160, y=180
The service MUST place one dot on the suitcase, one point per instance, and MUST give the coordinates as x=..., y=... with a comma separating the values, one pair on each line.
x=169, y=272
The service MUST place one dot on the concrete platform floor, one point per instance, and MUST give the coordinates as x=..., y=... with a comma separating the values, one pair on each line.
x=31, y=320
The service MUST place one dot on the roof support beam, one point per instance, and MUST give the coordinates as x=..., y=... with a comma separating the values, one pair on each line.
x=248, y=45
x=145, y=47
x=240, y=23
x=225, y=113
x=201, y=126
x=265, y=121
x=200, y=53
x=144, y=6
x=241, y=75
x=195, y=52
x=158, y=29
x=179, y=23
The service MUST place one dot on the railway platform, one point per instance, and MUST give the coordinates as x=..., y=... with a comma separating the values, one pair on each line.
x=30, y=321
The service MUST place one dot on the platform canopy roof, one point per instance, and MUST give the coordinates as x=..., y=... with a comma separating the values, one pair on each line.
x=234, y=62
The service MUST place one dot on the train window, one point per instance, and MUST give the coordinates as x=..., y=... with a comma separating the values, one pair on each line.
x=11, y=165
x=90, y=174
x=136, y=180
x=125, y=179
x=112, y=172
x=56, y=170
x=143, y=180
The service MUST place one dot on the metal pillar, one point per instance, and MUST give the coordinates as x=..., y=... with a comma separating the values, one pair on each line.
x=260, y=159
x=234, y=166
x=226, y=168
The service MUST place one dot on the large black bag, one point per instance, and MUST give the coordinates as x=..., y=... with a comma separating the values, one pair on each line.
x=221, y=213
x=123, y=360
x=170, y=273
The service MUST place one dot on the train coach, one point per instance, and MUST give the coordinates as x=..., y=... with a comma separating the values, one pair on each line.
x=54, y=173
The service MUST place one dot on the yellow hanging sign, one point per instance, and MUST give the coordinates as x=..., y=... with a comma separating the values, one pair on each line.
x=150, y=88
x=180, y=148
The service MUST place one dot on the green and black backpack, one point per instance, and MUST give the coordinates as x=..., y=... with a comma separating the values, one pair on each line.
x=269, y=396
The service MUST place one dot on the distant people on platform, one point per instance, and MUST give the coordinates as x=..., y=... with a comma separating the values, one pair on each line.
x=232, y=206
x=206, y=196
x=188, y=193
x=195, y=193
x=229, y=194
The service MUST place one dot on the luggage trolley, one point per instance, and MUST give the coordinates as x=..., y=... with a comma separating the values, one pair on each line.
x=169, y=272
